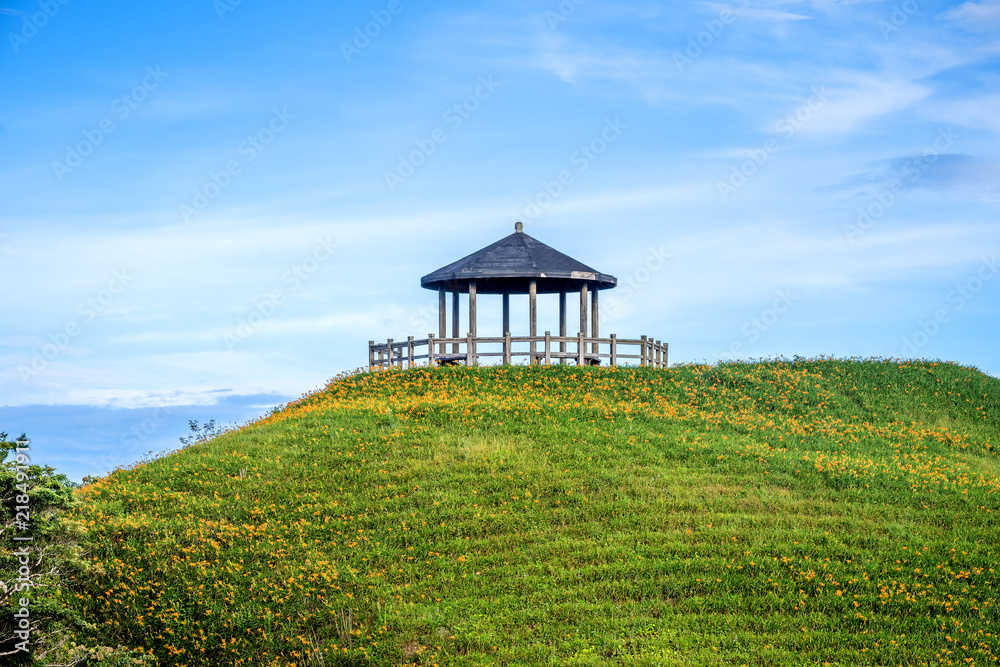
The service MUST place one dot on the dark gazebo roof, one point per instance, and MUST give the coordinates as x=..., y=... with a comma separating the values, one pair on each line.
x=508, y=265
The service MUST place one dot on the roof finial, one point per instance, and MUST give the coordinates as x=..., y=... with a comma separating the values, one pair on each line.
x=519, y=227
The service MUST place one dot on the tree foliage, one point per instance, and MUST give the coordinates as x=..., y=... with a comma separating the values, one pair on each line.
x=201, y=433
x=41, y=568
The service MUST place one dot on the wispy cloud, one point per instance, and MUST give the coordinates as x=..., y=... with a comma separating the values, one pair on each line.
x=981, y=111
x=756, y=13
x=975, y=16
x=951, y=171
x=867, y=99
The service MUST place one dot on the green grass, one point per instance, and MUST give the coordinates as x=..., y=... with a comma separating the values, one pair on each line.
x=818, y=512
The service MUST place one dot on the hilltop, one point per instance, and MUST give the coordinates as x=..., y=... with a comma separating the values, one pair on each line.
x=773, y=513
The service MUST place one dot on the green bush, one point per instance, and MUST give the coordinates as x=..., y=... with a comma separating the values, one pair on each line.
x=41, y=565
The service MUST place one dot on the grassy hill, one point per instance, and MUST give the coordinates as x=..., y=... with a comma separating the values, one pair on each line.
x=778, y=513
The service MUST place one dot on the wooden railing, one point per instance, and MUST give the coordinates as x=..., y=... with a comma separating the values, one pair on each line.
x=545, y=349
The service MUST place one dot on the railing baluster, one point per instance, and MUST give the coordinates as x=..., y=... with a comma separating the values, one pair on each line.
x=653, y=352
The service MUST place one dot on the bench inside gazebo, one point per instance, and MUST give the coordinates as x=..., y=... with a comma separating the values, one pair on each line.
x=518, y=264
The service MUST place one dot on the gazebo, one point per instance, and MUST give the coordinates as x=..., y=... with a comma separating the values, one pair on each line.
x=517, y=264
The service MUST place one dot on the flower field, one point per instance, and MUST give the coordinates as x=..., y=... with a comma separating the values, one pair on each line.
x=840, y=512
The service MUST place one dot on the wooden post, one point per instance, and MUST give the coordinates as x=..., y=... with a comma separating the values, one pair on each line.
x=532, y=317
x=642, y=353
x=659, y=354
x=388, y=363
x=472, y=315
x=583, y=309
x=470, y=358
x=666, y=350
x=562, y=324
x=593, y=318
x=506, y=348
x=506, y=313
x=454, y=318
x=409, y=351
x=579, y=349
x=472, y=307
x=430, y=350
x=371, y=354
x=442, y=315
x=614, y=349
x=548, y=348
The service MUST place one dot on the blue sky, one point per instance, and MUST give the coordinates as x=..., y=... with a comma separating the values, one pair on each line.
x=208, y=208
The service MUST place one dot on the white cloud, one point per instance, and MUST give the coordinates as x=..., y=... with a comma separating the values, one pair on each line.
x=868, y=99
x=975, y=16
x=711, y=273
x=977, y=112
x=895, y=78
x=758, y=14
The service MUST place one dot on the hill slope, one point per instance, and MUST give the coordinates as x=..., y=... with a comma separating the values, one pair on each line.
x=839, y=512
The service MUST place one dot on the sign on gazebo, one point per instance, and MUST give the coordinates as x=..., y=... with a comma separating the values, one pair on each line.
x=517, y=264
